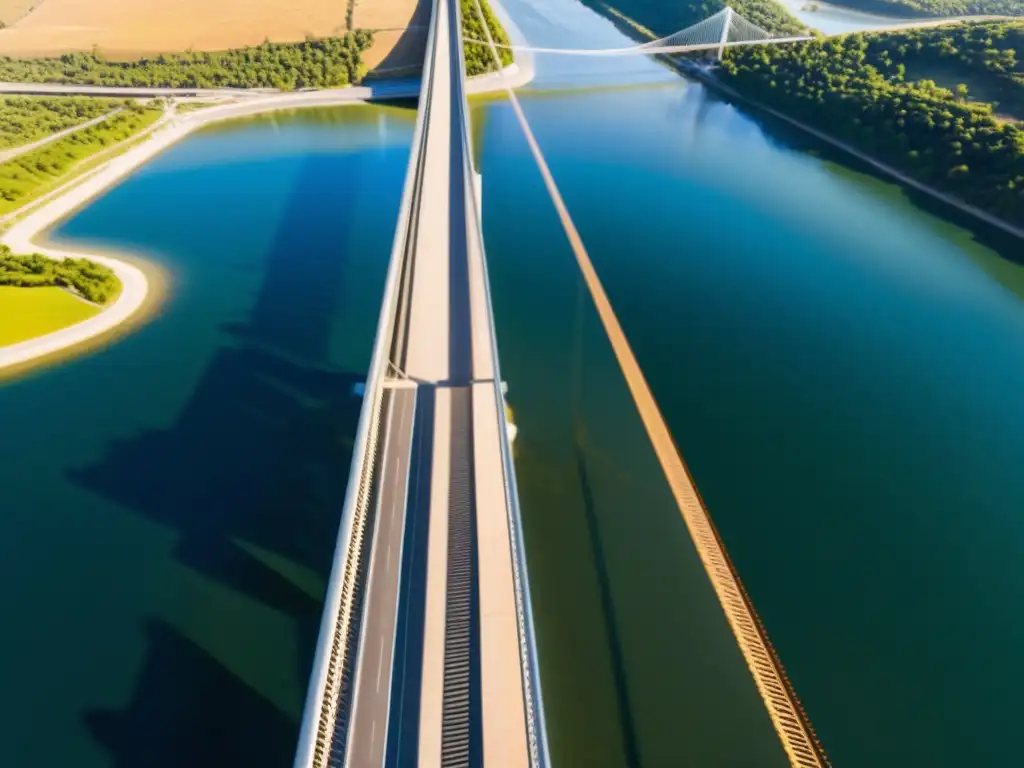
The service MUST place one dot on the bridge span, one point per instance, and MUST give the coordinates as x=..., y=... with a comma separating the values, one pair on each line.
x=426, y=653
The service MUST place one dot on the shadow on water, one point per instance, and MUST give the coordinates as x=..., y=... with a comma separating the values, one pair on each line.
x=257, y=461
x=611, y=622
x=247, y=731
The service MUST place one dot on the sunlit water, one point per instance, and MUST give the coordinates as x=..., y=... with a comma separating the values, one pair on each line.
x=170, y=502
x=840, y=368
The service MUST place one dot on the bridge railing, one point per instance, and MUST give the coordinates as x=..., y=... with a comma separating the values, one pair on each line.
x=335, y=657
x=536, y=732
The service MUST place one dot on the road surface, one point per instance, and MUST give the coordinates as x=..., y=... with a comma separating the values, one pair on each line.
x=371, y=708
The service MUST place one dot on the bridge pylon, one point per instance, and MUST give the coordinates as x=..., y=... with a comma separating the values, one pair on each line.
x=727, y=16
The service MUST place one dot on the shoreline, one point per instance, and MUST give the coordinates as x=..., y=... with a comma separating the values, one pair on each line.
x=43, y=214
x=886, y=169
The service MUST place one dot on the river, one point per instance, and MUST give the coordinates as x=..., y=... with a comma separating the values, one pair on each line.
x=840, y=366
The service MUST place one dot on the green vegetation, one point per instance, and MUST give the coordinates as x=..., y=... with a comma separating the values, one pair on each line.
x=664, y=18
x=855, y=88
x=26, y=315
x=316, y=63
x=24, y=119
x=33, y=173
x=981, y=57
x=478, y=57
x=90, y=280
x=936, y=7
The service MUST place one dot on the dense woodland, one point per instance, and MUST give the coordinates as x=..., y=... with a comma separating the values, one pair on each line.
x=316, y=63
x=24, y=119
x=856, y=89
x=34, y=172
x=980, y=57
x=663, y=18
x=92, y=281
x=478, y=57
x=936, y=7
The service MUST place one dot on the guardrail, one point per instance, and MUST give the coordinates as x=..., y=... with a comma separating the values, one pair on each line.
x=330, y=680
x=536, y=732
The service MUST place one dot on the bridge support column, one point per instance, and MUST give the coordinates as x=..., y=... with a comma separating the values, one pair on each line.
x=725, y=32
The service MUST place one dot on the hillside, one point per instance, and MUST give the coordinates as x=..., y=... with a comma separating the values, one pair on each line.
x=857, y=89
x=664, y=18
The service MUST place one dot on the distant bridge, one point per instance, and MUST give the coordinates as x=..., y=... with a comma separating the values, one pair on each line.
x=716, y=33
x=728, y=29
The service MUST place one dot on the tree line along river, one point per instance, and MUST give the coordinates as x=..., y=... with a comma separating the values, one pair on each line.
x=840, y=365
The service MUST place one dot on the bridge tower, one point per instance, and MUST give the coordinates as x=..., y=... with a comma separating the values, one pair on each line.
x=727, y=16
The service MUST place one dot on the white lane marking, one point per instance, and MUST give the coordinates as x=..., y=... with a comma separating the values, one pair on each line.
x=380, y=661
x=373, y=736
x=388, y=564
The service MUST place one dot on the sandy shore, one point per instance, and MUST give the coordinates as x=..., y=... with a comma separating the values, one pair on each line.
x=46, y=212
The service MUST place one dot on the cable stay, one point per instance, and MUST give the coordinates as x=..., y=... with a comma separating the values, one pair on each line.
x=723, y=30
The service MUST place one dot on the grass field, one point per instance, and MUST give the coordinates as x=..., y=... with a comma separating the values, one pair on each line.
x=132, y=28
x=26, y=313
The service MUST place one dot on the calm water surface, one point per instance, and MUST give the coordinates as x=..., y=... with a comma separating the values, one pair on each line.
x=170, y=502
x=841, y=369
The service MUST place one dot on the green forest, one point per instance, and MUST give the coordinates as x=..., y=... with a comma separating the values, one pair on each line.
x=478, y=57
x=32, y=173
x=981, y=57
x=316, y=63
x=24, y=119
x=664, y=18
x=856, y=88
x=92, y=281
x=936, y=7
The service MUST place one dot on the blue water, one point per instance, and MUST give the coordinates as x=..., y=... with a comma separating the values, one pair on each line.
x=170, y=502
x=840, y=364
x=841, y=369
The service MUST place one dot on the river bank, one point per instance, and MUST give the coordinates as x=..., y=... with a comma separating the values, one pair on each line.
x=43, y=214
x=709, y=79
x=22, y=235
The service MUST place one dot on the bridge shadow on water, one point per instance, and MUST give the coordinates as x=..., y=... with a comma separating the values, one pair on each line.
x=251, y=477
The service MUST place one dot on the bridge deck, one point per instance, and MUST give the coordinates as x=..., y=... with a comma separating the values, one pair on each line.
x=469, y=701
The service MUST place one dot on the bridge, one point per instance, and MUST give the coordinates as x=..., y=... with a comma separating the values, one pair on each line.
x=728, y=29
x=426, y=653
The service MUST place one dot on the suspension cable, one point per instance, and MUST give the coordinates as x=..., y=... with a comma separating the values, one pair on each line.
x=791, y=723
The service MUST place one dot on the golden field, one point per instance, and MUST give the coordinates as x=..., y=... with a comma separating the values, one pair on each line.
x=128, y=29
x=131, y=28
x=401, y=32
x=12, y=10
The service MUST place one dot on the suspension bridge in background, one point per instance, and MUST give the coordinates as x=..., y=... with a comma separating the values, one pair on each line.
x=725, y=29
x=728, y=29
